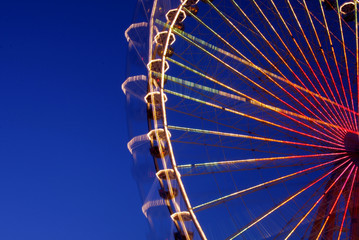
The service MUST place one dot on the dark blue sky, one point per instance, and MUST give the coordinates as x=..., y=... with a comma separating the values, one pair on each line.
x=65, y=171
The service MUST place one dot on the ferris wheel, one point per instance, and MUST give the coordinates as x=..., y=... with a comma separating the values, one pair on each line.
x=250, y=112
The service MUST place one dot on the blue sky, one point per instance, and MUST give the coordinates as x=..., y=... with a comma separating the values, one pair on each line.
x=65, y=171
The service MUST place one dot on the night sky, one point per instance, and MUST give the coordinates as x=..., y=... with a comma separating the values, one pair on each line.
x=65, y=171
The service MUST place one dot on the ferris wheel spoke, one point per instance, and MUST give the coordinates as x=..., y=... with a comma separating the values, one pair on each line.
x=257, y=85
x=210, y=120
x=303, y=55
x=242, y=165
x=252, y=117
x=331, y=33
x=247, y=99
x=304, y=206
x=345, y=119
x=346, y=65
x=226, y=147
x=261, y=186
x=255, y=67
x=285, y=112
x=348, y=122
x=235, y=71
x=336, y=143
x=243, y=60
x=345, y=50
x=334, y=57
x=242, y=35
x=235, y=135
x=217, y=36
x=251, y=100
x=233, y=236
x=321, y=198
x=231, y=169
x=290, y=53
x=347, y=203
x=334, y=204
x=247, y=62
